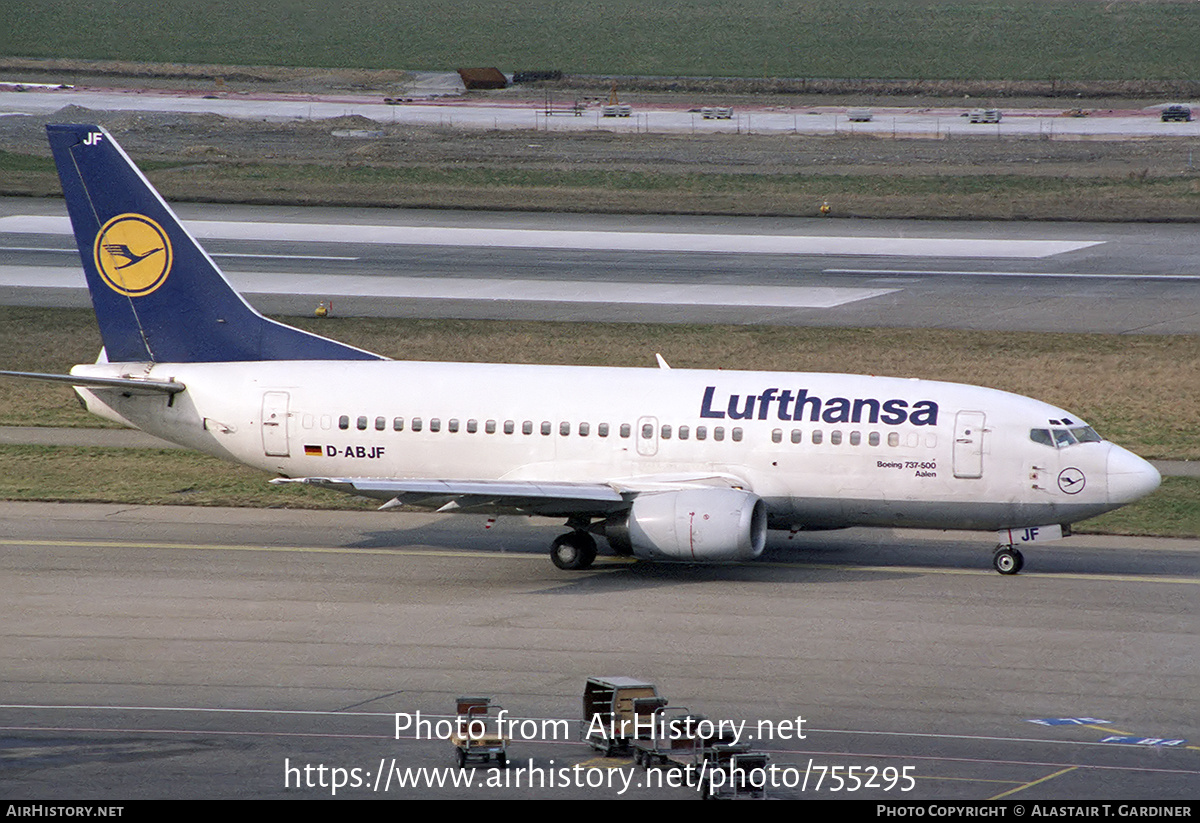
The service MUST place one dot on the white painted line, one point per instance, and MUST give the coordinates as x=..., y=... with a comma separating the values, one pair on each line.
x=254, y=256
x=1052, y=275
x=492, y=290
x=682, y=242
x=286, y=256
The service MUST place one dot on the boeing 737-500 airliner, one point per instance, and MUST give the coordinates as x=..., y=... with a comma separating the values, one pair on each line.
x=662, y=463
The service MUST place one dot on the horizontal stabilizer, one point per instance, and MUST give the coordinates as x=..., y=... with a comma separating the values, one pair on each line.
x=127, y=385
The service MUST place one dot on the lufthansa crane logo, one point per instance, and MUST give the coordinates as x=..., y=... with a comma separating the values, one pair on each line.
x=133, y=254
x=1071, y=480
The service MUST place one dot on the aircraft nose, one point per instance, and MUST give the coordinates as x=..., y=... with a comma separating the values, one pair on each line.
x=1129, y=476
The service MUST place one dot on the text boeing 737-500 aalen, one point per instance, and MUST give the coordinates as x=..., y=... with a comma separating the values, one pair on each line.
x=663, y=463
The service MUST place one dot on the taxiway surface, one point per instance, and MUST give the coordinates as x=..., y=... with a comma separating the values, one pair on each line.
x=203, y=653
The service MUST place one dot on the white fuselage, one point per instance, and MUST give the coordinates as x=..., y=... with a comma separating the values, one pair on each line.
x=822, y=450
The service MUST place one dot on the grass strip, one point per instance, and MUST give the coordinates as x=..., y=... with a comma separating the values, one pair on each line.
x=699, y=38
x=919, y=196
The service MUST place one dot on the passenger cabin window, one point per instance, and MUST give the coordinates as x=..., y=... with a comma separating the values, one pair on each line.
x=362, y=423
x=893, y=439
x=344, y=421
x=855, y=438
x=380, y=423
x=835, y=438
x=666, y=432
x=625, y=430
x=398, y=424
x=683, y=432
x=736, y=434
x=472, y=426
x=718, y=432
x=602, y=430
x=527, y=427
x=584, y=429
x=564, y=428
x=701, y=432
x=416, y=424
x=546, y=427
x=490, y=427
x=452, y=425
x=435, y=424
x=873, y=439
x=817, y=437
x=797, y=436
x=510, y=426
x=777, y=435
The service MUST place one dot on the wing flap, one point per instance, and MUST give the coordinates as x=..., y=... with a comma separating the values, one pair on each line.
x=551, y=499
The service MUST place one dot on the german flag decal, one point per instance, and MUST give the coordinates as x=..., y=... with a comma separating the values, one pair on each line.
x=312, y=451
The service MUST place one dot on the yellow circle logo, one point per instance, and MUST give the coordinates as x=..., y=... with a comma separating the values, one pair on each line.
x=133, y=254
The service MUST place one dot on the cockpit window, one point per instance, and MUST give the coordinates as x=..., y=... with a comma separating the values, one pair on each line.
x=1062, y=438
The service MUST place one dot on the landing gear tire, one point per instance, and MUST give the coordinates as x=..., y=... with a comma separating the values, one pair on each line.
x=1008, y=561
x=573, y=551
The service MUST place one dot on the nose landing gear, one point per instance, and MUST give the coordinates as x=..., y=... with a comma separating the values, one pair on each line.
x=1008, y=560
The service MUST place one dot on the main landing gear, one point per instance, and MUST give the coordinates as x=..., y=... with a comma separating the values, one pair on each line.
x=573, y=551
x=1008, y=560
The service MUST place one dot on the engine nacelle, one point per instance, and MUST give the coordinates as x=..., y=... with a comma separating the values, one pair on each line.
x=693, y=524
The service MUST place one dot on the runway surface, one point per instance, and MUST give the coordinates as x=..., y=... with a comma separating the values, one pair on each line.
x=197, y=653
x=1110, y=278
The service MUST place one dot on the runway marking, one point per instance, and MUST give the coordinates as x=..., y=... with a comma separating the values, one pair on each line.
x=1116, y=578
x=234, y=548
x=1033, y=783
x=226, y=254
x=1050, y=275
x=561, y=239
x=498, y=290
x=972, y=737
x=602, y=563
x=809, y=730
x=287, y=256
x=1106, y=729
x=197, y=732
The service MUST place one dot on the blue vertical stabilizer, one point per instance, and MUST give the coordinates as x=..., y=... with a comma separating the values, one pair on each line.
x=158, y=296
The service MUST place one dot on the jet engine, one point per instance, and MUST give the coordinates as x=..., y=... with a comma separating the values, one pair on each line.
x=693, y=524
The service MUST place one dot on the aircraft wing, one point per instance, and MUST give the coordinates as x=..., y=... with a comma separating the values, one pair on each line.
x=530, y=497
x=480, y=496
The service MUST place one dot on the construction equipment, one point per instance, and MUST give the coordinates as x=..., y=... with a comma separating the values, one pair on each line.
x=614, y=107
